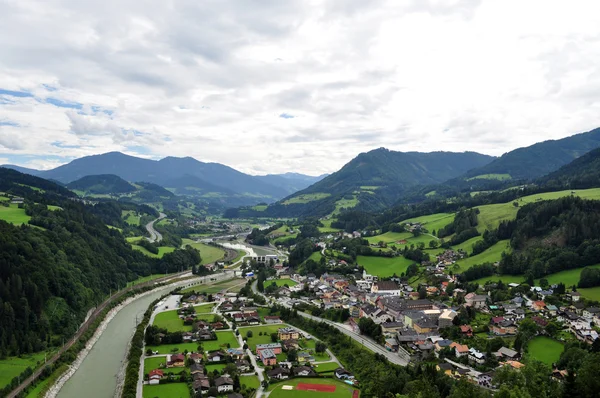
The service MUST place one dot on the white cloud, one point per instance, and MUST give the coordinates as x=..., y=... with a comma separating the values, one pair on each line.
x=211, y=79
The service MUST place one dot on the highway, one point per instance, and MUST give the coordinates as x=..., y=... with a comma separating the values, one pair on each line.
x=400, y=358
x=155, y=236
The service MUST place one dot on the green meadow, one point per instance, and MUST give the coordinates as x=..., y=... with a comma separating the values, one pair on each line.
x=490, y=255
x=306, y=198
x=545, y=349
x=384, y=266
x=210, y=254
x=12, y=214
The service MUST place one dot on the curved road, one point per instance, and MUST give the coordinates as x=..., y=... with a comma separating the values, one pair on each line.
x=155, y=236
x=399, y=358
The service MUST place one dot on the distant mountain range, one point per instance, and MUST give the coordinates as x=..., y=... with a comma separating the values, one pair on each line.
x=581, y=173
x=185, y=176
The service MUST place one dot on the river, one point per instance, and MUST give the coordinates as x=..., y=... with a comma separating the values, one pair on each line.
x=97, y=375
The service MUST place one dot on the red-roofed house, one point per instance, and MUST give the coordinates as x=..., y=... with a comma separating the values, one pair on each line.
x=467, y=330
x=538, y=305
x=460, y=349
x=154, y=376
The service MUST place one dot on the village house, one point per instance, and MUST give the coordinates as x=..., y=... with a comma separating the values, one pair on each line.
x=502, y=327
x=460, y=350
x=279, y=373
x=538, y=306
x=343, y=374
x=196, y=368
x=175, y=361
x=386, y=288
x=475, y=300
x=391, y=344
x=201, y=384
x=466, y=330
x=268, y=357
x=476, y=356
x=224, y=384
x=272, y=319
x=573, y=296
x=242, y=365
x=287, y=334
x=154, y=376
x=507, y=353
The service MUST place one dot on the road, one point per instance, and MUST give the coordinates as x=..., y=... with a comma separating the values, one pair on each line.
x=155, y=236
x=399, y=358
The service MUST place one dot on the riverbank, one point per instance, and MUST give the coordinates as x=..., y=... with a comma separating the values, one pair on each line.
x=60, y=382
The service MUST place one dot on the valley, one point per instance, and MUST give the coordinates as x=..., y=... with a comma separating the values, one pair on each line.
x=510, y=269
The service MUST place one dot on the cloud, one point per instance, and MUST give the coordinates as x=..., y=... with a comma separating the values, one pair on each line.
x=205, y=79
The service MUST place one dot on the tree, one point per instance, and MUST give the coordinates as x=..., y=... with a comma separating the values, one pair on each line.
x=433, y=244
x=274, y=337
x=320, y=347
x=249, y=334
x=422, y=292
x=292, y=355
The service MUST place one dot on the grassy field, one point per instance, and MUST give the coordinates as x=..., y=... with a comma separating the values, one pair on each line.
x=162, y=250
x=491, y=215
x=344, y=204
x=250, y=381
x=170, y=320
x=467, y=245
x=209, y=254
x=256, y=339
x=499, y=177
x=490, y=255
x=568, y=277
x=13, y=366
x=389, y=237
x=545, y=349
x=130, y=217
x=259, y=207
x=218, y=367
x=326, y=367
x=326, y=228
x=432, y=222
x=384, y=266
x=14, y=215
x=222, y=339
x=214, y=288
x=591, y=293
x=342, y=390
x=306, y=198
x=281, y=282
x=169, y=390
x=204, y=308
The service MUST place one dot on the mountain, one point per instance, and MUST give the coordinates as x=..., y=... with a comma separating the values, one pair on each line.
x=186, y=175
x=371, y=181
x=539, y=159
x=291, y=182
x=583, y=172
x=20, y=169
x=102, y=184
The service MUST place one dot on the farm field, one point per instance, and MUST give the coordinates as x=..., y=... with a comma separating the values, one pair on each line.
x=432, y=222
x=204, y=308
x=309, y=197
x=256, y=339
x=545, y=349
x=223, y=338
x=209, y=254
x=342, y=390
x=384, y=266
x=162, y=250
x=14, y=366
x=250, y=381
x=12, y=214
x=490, y=255
x=281, y=282
x=170, y=320
x=169, y=390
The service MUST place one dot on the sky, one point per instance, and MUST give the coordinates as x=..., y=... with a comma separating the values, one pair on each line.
x=304, y=86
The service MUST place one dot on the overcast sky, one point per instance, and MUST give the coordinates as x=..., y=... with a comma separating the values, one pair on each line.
x=274, y=86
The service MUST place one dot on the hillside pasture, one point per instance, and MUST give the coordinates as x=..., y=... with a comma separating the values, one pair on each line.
x=306, y=198
x=162, y=250
x=490, y=255
x=389, y=237
x=467, y=245
x=498, y=177
x=131, y=217
x=13, y=366
x=432, y=222
x=13, y=215
x=344, y=204
x=384, y=266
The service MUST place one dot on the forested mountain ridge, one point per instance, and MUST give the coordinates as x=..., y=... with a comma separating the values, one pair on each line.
x=53, y=273
x=101, y=184
x=583, y=172
x=539, y=159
